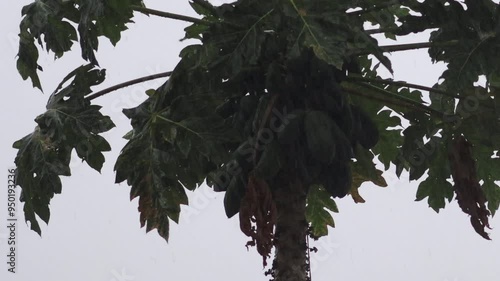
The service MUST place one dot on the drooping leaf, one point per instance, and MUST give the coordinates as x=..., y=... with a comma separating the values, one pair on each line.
x=50, y=19
x=364, y=170
x=318, y=208
x=492, y=193
x=172, y=148
x=70, y=122
x=258, y=215
x=102, y=18
x=436, y=187
x=436, y=190
x=147, y=174
x=470, y=196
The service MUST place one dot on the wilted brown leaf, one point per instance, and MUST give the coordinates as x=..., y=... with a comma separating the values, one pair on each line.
x=470, y=196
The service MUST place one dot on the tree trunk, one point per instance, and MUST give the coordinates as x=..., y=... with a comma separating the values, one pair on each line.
x=290, y=263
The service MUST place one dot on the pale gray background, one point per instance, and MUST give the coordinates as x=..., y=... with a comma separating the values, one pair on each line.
x=94, y=230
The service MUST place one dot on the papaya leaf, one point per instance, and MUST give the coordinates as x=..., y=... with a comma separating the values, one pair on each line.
x=436, y=188
x=102, y=18
x=355, y=195
x=312, y=23
x=388, y=128
x=478, y=37
x=364, y=169
x=144, y=167
x=51, y=24
x=70, y=122
x=492, y=193
x=240, y=36
x=47, y=18
x=169, y=150
x=318, y=208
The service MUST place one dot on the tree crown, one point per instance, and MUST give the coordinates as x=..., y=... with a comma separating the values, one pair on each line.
x=274, y=91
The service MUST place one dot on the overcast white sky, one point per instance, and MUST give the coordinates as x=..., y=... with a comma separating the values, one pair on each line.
x=94, y=231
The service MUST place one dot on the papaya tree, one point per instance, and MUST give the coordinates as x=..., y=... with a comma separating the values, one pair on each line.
x=281, y=105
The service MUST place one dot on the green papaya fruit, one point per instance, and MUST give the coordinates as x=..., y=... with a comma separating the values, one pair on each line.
x=337, y=179
x=219, y=180
x=226, y=109
x=330, y=103
x=234, y=194
x=308, y=171
x=344, y=151
x=318, y=127
x=365, y=130
x=270, y=161
x=248, y=105
x=291, y=127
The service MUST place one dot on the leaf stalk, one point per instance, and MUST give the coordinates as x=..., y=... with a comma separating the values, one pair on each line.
x=404, y=84
x=128, y=83
x=163, y=14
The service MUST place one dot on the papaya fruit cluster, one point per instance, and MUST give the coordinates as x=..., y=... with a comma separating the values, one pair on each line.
x=302, y=124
